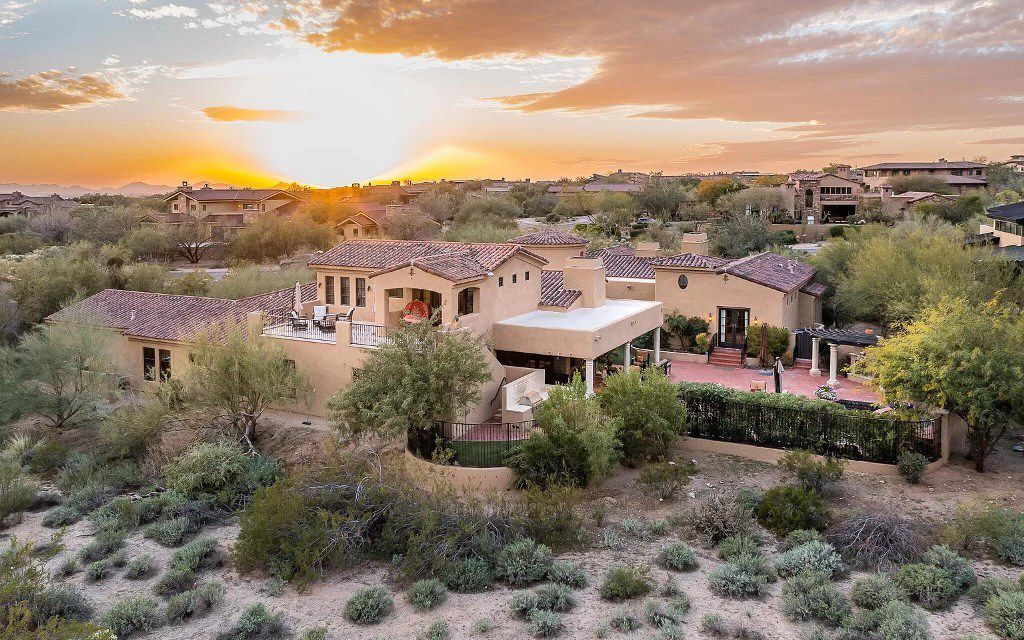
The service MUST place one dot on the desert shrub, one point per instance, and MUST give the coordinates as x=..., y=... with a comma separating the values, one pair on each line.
x=568, y=573
x=927, y=585
x=174, y=581
x=220, y=473
x=988, y=529
x=315, y=633
x=875, y=591
x=812, y=473
x=201, y=553
x=545, y=624
x=665, y=479
x=161, y=505
x=551, y=515
x=879, y=540
x=679, y=604
x=61, y=516
x=50, y=548
x=819, y=557
x=522, y=604
x=810, y=596
x=626, y=581
x=170, y=533
x=737, y=545
x=438, y=630
x=469, y=575
x=798, y=537
x=130, y=430
x=646, y=412
x=749, y=497
x=911, y=466
x=678, y=557
x=45, y=500
x=743, y=577
x=901, y=621
x=787, y=508
x=625, y=621
x=716, y=517
x=714, y=625
x=256, y=623
x=989, y=587
x=100, y=569
x=369, y=606
x=555, y=597
x=120, y=514
x=104, y=545
x=62, y=602
x=131, y=616
x=657, y=614
x=1004, y=614
x=958, y=568
x=194, y=602
x=482, y=625
x=523, y=563
x=141, y=568
x=427, y=594
x=17, y=494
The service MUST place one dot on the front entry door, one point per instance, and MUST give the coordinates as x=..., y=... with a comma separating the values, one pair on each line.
x=732, y=327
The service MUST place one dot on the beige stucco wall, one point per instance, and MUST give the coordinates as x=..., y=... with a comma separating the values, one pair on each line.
x=556, y=255
x=707, y=291
x=327, y=368
x=479, y=480
x=810, y=310
x=629, y=289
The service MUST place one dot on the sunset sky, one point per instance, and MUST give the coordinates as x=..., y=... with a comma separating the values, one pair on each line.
x=104, y=92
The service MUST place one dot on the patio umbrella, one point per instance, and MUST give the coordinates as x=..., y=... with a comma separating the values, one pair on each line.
x=297, y=300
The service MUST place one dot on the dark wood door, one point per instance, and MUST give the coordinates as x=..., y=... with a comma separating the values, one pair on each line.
x=732, y=327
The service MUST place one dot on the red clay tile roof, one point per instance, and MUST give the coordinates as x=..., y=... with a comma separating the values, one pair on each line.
x=457, y=267
x=387, y=255
x=815, y=289
x=771, y=270
x=690, y=261
x=551, y=292
x=160, y=316
x=628, y=266
x=549, y=237
x=617, y=250
x=220, y=195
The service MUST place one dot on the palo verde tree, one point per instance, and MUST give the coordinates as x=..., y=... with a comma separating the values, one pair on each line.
x=963, y=357
x=60, y=372
x=646, y=412
x=419, y=375
x=239, y=374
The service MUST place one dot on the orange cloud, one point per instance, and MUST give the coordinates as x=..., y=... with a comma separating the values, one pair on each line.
x=851, y=67
x=54, y=91
x=241, y=114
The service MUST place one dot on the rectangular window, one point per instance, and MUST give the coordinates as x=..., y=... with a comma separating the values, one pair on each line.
x=175, y=206
x=501, y=281
x=329, y=289
x=465, y=302
x=165, y=364
x=204, y=207
x=360, y=292
x=395, y=293
x=249, y=207
x=192, y=207
x=514, y=277
x=527, y=275
x=346, y=294
x=148, y=363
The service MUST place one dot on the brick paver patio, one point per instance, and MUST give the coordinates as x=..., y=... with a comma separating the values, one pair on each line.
x=796, y=381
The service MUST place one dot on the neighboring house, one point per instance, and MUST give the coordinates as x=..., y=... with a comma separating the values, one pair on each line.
x=960, y=176
x=372, y=220
x=594, y=187
x=554, y=246
x=899, y=204
x=1016, y=163
x=1006, y=224
x=226, y=211
x=18, y=204
x=823, y=197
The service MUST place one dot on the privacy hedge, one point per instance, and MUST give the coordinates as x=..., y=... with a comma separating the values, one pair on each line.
x=786, y=421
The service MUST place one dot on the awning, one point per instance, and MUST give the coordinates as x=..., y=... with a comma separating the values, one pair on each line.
x=842, y=336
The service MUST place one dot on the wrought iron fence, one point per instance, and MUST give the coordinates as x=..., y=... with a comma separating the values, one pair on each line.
x=284, y=326
x=467, y=444
x=855, y=435
x=367, y=334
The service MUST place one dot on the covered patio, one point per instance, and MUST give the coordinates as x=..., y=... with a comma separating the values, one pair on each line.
x=796, y=381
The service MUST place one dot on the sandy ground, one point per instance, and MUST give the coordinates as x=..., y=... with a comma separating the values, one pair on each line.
x=321, y=605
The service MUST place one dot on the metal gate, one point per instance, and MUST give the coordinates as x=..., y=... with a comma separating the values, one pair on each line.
x=802, y=350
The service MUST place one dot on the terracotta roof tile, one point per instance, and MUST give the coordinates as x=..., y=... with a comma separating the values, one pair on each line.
x=628, y=266
x=549, y=237
x=691, y=261
x=220, y=195
x=772, y=270
x=815, y=289
x=551, y=292
x=387, y=255
x=617, y=250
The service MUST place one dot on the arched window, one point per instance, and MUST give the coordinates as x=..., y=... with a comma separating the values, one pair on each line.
x=683, y=281
x=809, y=198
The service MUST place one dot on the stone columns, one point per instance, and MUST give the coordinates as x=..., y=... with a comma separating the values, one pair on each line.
x=590, y=377
x=815, y=353
x=657, y=345
x=833, y=364
x=625, y=356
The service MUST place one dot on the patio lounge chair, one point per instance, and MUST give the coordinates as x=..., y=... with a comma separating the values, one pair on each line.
x=323, y=320
x=298, y=322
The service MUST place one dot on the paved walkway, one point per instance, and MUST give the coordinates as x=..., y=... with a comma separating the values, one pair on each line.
x=796, y=381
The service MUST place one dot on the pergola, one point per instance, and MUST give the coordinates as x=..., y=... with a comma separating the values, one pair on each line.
x=834, y=338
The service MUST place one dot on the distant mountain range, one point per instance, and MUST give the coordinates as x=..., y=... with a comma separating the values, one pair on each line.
x=73, y=191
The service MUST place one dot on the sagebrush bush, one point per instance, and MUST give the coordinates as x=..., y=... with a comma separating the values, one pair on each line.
x=555, y=597
x=552, y=515
x=819, y=557
x=743, y=577
x=626, y=581
x=657, y=614
x=879, y=540
x=469, y=575
x=810, y=596
x=522, y=563
x=788, y=508
x=737, y=545
x=545, y=624
x=169, y=533
x=199, y=554
x=798, y=537
x=427, y=594
x=174, y=581
x=61, y=516
x=161, y=505
x=131, y=616
x=103, y=546
x=256, y=623
x=568, y=573
x=927, y=585
x=665, y=479
x=315, y=633
x=438, y=630
x=221, y=473
x=194, y=603
x=130, y=430
x=958, y=568
x=625, y=621
x=911, y=466
x=369, y=606
x=678, y=556
x=63, y=602
x=141, y=568
x=120, y=514
x=812, y=473
x=875, y=591
x=17, y=493
x=1004, y=614
x=988, y=529
x=990, y=586
x=715, y=517
x=901, y=621
x=522, y=604
x=100, y=569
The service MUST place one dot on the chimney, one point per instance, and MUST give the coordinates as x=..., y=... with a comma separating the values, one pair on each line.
x=185, y=186
x=696, y=243
x=396, y=183
x=647, y=249
x=585, y=275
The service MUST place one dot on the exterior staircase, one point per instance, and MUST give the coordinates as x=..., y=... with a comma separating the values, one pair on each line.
x=802, y=363
x=725, y=357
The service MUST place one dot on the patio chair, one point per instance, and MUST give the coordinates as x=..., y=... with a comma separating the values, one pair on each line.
x=298, y=322
x=328, y=322
x=758, y=385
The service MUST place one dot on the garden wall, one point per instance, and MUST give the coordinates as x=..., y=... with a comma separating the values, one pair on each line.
x=477, y=479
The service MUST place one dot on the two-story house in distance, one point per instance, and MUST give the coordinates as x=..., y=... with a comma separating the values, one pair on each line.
x=960, y=177
x=225, y=210
x=823, y=197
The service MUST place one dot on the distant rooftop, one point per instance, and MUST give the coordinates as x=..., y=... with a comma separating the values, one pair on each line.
x=550, y=237
x=924, y=165
x=1008, y=212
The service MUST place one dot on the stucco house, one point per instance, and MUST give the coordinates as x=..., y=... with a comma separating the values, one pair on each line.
x=373, y=220
x=226, y=211
x=18, y=204
x=823, y=197
x=961, y=177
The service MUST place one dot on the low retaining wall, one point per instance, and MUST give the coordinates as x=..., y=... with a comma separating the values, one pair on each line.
x=462, y=478
x=678, y=356
x=766, y=454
